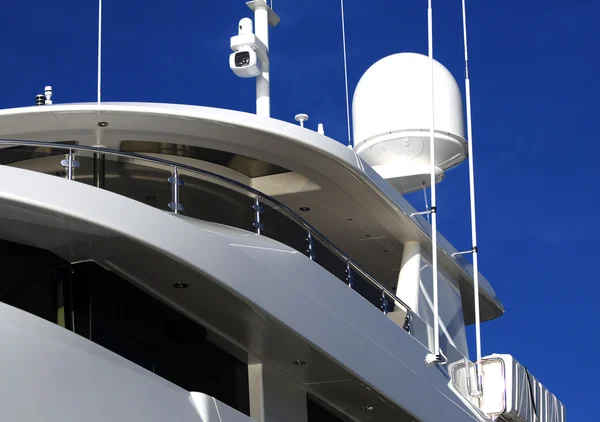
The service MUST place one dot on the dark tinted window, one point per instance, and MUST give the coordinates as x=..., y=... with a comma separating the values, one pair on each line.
x=117, y=315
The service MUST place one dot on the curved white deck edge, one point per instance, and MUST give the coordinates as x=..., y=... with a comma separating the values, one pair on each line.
x=296, y=135
x=363, y=341
x=53, y=375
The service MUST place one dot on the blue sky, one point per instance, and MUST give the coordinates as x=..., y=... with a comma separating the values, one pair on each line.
x=535, y=99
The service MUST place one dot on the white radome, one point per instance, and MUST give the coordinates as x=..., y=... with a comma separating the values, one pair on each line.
x=391, y=111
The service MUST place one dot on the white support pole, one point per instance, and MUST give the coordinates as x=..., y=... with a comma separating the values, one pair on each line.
x=263, y=89
x=436, y=355
x=478, y=370
x=436, y=328
x=409, y=278
x=99, y=50
x=263, y=18
x=346, y=72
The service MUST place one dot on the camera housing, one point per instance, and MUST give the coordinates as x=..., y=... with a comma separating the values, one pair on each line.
x=249, y=53
x=244, y=62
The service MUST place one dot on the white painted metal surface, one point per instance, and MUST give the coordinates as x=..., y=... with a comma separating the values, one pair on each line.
x=510, y=391
x=54, y=375
x=391, y=112
x=415, y=285
x=210, y=409
x=275, y=396
x=68, y=217
x=343, y=177
x=263, y=18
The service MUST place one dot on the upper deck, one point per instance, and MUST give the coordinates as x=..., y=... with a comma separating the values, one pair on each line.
x=333, y=188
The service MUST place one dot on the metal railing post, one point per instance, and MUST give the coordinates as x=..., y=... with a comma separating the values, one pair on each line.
x=99, y=170
x=258, y=210
x=70, y=164
x=349, y=275
x=384, y=303
x=311, y=246
x=176, y=182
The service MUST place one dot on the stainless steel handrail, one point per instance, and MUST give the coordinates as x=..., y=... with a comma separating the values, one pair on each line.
x=175, y=166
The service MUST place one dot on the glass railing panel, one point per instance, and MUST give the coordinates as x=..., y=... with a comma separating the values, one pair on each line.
x=88, y=168
x=130, y=177
x=329, y=260
x=277, y=225
x=40, y=159
x=362, y=286
x=198, y=194
x=206, y=198
x=24, y=156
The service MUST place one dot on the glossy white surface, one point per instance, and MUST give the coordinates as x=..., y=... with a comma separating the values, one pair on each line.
x=415, y=285
x=391, y=112
x=274, y=396
x=53, y=375
x=510, y=391
x=452, y=325
x=347, y=186
x=212, y=410
x=285, y=307
x=394, y=95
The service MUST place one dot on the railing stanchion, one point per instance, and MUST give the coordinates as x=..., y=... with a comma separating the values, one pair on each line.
x=407, y=327
x=384, y=303
x=258, y=210
x=176, y=182
x=349, y=275
x=311, y=246
x=70, y=164
x=99, y=170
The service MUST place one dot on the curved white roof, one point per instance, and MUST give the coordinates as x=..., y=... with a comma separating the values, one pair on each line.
x=352, y=200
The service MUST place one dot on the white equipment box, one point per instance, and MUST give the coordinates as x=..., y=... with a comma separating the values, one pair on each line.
x=509, y=391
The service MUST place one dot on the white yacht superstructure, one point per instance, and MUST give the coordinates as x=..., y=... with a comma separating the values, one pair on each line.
x=176, y=262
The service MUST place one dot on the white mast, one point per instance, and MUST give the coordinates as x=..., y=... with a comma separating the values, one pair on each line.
x=99, y=49
x=263, y=18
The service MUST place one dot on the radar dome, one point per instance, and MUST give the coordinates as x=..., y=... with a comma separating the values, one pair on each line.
x=391, y=111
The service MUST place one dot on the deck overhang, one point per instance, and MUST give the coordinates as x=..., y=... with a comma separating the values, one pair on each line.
x=349, y=202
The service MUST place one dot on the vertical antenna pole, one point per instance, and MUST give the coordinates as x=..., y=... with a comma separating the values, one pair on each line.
x=263, y=89
x=99, y=49
x=346, y=72
x=472, y=194
x=263, y=18
x=435, y=356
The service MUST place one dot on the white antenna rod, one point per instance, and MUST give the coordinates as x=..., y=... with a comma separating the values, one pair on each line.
x=472, y=192
x=346, y=72
x=99, y=49
x=436, y=356
x=426, y=201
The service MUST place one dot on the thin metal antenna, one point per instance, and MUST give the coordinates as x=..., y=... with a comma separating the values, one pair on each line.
x=472, y=193
x=99, y=50
x=426, y=201
x=437, y=356
x=346, y=72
